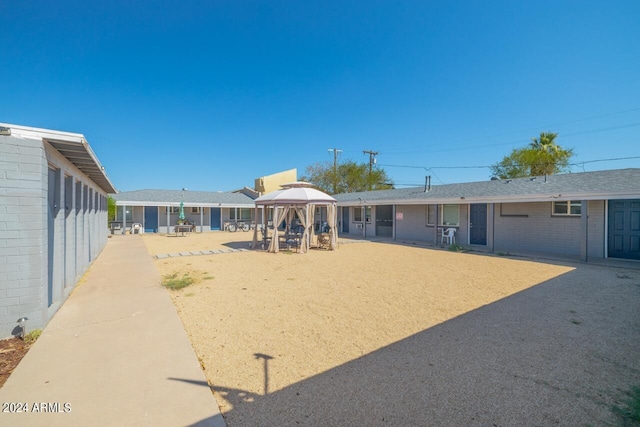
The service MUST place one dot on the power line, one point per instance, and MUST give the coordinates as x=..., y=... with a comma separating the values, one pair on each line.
x=500, y=144
x=487, y=167
x=475, y=138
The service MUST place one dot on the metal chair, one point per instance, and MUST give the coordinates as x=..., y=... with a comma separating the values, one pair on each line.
x=266, y=239
x=449, y=234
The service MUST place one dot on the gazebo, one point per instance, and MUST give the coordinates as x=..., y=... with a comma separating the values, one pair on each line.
x=296, y=198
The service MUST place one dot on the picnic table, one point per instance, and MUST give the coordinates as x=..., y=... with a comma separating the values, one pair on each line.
x=184, y=228
x=115, y=226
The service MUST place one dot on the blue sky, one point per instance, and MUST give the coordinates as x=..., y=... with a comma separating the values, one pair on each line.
x=210, y=95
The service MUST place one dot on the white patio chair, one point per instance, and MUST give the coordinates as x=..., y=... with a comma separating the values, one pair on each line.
x=448, y=234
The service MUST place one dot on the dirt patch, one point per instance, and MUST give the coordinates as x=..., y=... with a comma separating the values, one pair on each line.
x=12, y=351
x=374, y=333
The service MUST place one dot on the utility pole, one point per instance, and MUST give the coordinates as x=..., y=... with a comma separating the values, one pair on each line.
x=372, y=160
x=335, y=168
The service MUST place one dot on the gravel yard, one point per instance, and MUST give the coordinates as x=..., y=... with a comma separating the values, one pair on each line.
x=386, y=334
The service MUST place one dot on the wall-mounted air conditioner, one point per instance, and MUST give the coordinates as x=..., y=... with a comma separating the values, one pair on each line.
x=358, y=226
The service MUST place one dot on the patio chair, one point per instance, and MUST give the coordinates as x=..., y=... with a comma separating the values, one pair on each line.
x=324, y=240
x=266, y=240
x=448, y=234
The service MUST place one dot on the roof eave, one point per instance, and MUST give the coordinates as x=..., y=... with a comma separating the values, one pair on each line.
x=72, y=146
x=185, y=204
x=529, y=198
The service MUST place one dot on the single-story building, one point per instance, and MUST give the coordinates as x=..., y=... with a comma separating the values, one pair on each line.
x=589, y=215
x=158, y=210
x=53, y=216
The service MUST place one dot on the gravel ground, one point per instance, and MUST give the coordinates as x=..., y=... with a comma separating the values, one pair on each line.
x=384, y=334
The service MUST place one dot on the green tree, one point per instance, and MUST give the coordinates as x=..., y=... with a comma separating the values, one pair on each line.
x=111, y=209
x=347, y=177
x=541, y=157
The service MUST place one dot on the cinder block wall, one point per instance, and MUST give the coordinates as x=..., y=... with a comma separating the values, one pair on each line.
x=530, y=227
x=78, y=224
x=23, y=232
x=413, y=225
x=595, y=240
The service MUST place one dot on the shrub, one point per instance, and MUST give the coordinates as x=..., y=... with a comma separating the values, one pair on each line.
x=32, y=336
x=172, y=281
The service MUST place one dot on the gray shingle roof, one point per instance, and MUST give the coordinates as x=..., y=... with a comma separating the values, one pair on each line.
x=190, y=198
x=609, y=184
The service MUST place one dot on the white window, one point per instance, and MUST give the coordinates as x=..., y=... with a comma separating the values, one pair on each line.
x=195, y=210
x=128, y=215
x=357, y=214
x=172, y=209
x=569, y=208
x=244, y=214
x=450, y=215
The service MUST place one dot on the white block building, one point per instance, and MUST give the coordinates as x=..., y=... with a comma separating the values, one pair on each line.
x=53, y=220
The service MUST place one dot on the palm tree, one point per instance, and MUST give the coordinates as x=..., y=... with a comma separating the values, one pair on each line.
x=546, y=142
x=549, y=157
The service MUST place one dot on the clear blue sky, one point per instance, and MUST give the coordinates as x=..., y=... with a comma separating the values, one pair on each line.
x=210, y=95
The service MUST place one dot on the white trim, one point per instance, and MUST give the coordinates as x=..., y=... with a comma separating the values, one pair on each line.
x=569, y=204
x=39, y=133
x=441, y=218
x=506, y=199
x=187, y=205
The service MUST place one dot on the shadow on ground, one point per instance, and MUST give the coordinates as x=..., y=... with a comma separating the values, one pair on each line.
x=564, y=352
x=238, y=245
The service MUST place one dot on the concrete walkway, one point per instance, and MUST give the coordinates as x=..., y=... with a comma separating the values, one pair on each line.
x=115, y=354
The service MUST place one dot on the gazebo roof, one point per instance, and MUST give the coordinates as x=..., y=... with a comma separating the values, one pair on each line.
x=295, y=193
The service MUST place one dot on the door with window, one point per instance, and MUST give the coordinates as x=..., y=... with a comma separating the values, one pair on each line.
x=624, y=229
x=384, y=221
x=478, y=224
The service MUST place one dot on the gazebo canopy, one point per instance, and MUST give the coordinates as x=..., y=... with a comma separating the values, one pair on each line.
x=301, y=199
x=295, y=193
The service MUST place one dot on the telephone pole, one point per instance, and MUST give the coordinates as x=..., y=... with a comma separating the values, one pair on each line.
x=372, y=160
x=335, y=168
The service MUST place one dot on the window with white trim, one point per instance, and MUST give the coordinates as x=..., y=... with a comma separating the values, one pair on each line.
x=244, y=214
x=568, y=208
x=367, y=214
x=128, y=213
x=172, y=209
x=195, y=209
x=450, y=215
x=357, y=214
